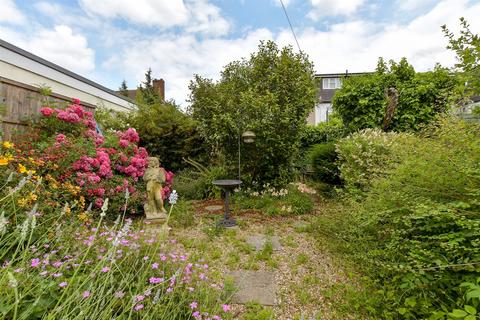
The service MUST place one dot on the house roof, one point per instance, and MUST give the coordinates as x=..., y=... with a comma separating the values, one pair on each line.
x=56, y=67
x=343, y=74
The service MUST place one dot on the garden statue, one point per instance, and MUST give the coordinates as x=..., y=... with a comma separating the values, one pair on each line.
x=155, y=178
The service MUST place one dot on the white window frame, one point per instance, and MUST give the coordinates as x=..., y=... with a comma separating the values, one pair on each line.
x=331, y=83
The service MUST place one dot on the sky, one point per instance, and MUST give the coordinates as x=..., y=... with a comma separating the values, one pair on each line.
x=108, y=41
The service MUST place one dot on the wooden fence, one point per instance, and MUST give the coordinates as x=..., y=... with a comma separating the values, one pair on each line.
x=20, y=102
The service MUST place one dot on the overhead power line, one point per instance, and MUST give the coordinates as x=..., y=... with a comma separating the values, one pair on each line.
x=290, y=23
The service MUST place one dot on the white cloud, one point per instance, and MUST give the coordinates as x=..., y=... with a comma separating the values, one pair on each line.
x=195, y=15
x=324, y=8
x=412, y=5
x=9, y=13
x=356, y=45
x=59, y=45
x=176, y=58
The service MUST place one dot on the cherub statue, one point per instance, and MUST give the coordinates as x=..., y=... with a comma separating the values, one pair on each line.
x=155, y=178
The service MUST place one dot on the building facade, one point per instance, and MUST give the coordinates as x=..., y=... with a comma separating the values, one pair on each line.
x=328, y=84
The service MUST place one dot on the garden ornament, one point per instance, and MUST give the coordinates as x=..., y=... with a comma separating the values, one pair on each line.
x=155, y=178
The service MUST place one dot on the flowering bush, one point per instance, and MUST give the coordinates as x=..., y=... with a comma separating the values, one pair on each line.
x=367, y=155
x=53, y=267
x=65, y=147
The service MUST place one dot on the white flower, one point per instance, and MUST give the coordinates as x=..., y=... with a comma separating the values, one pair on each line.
x=12, y=282
x=104, y=208
x=173, y=197
x=24, y=229
x=3, y=223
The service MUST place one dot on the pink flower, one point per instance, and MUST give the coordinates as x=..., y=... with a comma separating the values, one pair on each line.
x=138, y=307
x=62, y=284
x=154, y=280
x=169, y=177
x=226, y=308
x=155, y=265
x=119, y=294
x=35, y=263
x=139, y=298
x=105, y=269
x=86, y=294
x=124, y=143
x=46, y=111
x=169, y=290
x=76, y=101
x=196, y=315
x=193, y=305
x=99, y=202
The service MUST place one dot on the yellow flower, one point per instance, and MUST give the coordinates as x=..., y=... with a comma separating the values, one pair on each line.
x=3, y=161
x=7, y=145
x=22, y=169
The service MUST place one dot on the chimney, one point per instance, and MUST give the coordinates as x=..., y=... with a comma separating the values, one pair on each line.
x=159, y=87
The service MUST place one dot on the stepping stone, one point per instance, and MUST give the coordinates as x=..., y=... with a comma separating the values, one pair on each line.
x=257, y=241
x=214, y=208
x=254, y=286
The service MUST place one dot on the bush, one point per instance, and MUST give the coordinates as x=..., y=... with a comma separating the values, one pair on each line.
x=321, y=133
x=323, y=158
x=196, y=183
x=271, y=94
x=361, y=102
x=416, y=230
x=165, y=131
x=367, y=155
x=65, y=149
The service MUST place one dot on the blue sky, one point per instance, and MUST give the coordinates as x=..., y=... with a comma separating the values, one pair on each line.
x=111, y=40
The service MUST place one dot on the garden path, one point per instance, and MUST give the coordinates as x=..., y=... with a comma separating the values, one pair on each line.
x=307, y=279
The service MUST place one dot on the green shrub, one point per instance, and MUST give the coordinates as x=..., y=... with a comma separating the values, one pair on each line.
x=322, y=132
x=196, y=183
x=367, y=155
x=323, y=159
x=416, y=230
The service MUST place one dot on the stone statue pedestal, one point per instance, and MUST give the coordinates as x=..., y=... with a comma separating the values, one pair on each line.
x=157, y=229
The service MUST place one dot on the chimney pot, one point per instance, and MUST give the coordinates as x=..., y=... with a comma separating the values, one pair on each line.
x=159, y=86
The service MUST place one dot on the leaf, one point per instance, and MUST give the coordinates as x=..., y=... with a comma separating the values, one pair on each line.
x=470, y=309
x=411, y=302
x=473, y=294
x=470, y=317
x=402, y=311
x=457, y=313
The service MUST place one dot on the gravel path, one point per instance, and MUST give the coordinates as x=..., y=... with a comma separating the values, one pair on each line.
x=306, y=276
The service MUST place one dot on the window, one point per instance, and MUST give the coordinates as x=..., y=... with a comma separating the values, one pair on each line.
x=331, y=83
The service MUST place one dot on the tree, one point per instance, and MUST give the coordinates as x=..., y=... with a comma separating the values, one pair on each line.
x=123, y=88
x=271, y=94
x=467, y=48
x=146, y=94
x=363, y=102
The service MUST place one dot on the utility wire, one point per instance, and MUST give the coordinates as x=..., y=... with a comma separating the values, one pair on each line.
x=291, y=27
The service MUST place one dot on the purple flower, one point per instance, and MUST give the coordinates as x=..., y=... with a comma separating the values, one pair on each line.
x=86, y=294
x=155, y=265
x=193, y=305
x=139, y=298
x=196, y=315
x=154, y=280
x=105, y=269
x=226, y=308
x=35, y=263
x=62, y=284
x=138, y=307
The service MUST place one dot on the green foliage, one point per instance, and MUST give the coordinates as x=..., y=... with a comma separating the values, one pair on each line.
x=323, y=158
x=256, y=311
x=165, y=131
x=467, y=48
x=365, y=156
x=361, y=102
x=123, y=90
x=416, y=229
x=271, y=94
x=146, y=93
x=182, y=216
x=283, y=202
x=322, y=132
x=196, y=183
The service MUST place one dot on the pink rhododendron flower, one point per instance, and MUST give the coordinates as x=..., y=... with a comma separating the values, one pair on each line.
x=98, y=202
x=46, y=111
x=76, y=101
x=123, y=143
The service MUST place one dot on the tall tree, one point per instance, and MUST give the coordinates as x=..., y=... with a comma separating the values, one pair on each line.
x=147, y=93
x=467, y=48
x=123, y=88
x=271, y=94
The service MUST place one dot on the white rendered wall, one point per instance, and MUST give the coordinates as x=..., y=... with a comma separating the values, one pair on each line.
x=322, y=111
x=14, y=66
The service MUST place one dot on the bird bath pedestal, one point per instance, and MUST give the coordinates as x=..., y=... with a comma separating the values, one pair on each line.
x=227, y=186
